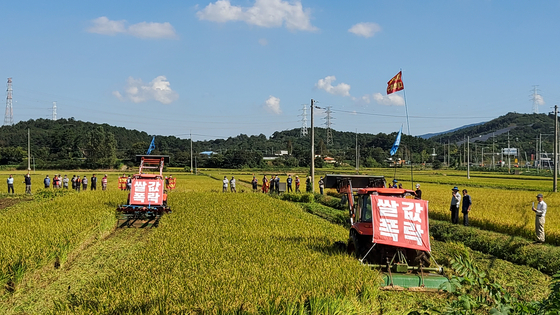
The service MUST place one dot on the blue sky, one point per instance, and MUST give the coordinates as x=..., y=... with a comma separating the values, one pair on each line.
x=221, y=68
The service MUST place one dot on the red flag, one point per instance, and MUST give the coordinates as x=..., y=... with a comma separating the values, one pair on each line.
x=395, y=84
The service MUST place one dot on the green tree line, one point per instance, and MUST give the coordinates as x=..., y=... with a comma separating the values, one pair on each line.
x=70, y=143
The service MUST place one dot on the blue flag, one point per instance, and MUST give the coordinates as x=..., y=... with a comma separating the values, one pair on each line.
x=396, y=144
x=152, y=146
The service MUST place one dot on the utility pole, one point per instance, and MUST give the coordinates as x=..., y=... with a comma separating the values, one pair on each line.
x=190, y=135
x=493, y=154
x=540, y=150
x=537, y=153
x=555, y=185
x=448, y=154
x=312, y=151
x=509, y=164
x=464, y=151
x=53, y=110
x=28, y=152
x=357, y=169
x=468, y=158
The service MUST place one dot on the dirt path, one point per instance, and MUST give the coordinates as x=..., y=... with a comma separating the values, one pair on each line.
x=8, y=202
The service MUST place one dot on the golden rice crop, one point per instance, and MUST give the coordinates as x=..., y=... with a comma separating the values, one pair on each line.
x=222, y=253
x=500, y=210
x=36, y=232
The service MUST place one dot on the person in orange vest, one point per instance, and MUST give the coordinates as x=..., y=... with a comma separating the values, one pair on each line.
x=172, y=182
x=265, y=184
x=122, y=182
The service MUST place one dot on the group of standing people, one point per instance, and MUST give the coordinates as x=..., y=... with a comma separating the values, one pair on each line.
x=465, y=207
x=231, y=184
x=58, y=182
x=272, y=185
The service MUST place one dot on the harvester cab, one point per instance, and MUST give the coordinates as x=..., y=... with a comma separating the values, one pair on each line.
x=389, y=231
x=147, y=199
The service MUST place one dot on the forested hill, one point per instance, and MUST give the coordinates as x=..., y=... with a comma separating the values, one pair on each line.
x=521, y=127
x=69, y=143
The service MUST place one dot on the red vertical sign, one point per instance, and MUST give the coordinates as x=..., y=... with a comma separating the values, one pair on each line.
x=401, y=222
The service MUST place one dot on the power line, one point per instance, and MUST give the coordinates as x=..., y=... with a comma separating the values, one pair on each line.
x=403, y=116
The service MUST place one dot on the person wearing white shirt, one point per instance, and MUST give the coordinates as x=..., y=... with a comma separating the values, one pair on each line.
x=232, y=184
x=224, y=189
x=540, y=212
x=11, y=184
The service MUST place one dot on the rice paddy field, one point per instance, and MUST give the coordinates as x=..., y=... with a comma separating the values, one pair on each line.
x=244, y=253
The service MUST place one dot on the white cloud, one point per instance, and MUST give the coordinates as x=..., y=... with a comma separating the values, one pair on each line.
x=158, y=89
x=263, y=42
x=326, y=84
x=152, y=30
x=102, y=25
x=272, y=105
x=365, y=29
x=391, y=99
x=264, y=13
x=365, y=99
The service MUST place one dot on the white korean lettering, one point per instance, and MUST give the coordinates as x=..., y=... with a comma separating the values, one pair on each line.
x=139, y=196
x=153, y=186
x=411, y=215
x=387, y=208
x=388, y=227
x=413, y=232
x=153, y=197
x=139, y=186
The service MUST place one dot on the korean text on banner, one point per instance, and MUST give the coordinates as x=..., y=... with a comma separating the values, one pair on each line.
x=401, y=222
x=147, y=192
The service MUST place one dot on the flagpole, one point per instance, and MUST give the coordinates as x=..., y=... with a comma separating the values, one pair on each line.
x=408, y=131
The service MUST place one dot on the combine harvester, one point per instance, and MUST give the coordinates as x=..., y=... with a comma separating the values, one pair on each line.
x=147, y=200
x=389, y=231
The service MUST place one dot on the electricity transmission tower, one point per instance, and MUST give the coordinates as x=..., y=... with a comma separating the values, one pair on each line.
x=328, y=124
x=9, y=116
x=304, y=120
x=536, y=98
x=53, y=110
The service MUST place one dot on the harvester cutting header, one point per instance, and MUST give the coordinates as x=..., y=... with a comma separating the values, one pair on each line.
x=147, y=200
x=389, y=231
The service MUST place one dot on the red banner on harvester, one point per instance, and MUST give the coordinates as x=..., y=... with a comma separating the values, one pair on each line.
x=401, y=222
x=146, y=192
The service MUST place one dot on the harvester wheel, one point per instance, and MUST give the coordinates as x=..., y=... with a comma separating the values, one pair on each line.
x=355, y=246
